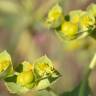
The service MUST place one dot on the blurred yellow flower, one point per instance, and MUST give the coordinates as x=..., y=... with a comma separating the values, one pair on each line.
x=55, y=16
x=86, y=20
x=44, y=69
x=43, y=66
x=69, y=29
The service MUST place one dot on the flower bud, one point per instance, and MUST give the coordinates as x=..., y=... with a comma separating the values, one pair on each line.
x=69, y=30
x=25, y=78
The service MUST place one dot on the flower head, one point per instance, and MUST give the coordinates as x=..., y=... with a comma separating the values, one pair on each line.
x=55, y=16
x=69, y=29
x=43, y=67
x=85, y=21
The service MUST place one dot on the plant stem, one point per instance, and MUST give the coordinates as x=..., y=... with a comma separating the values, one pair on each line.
x=84, y=84
x=93, y=62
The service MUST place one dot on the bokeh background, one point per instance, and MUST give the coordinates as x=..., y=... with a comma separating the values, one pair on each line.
x=24, y=35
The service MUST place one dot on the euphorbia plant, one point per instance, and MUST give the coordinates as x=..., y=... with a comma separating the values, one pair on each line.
x=41, y=73
x=38, y=75
x=74, y=25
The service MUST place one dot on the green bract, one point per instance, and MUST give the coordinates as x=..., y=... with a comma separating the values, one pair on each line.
x=69, y=29
x=27, y=66
x=5, y=64
x=92, y=9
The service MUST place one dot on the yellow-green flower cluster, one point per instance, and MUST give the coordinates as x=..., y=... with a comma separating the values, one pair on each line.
x=27, y=75
x=32, y=74
x=74, y=24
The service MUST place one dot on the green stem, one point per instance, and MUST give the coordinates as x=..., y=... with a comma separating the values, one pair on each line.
x=84, y=83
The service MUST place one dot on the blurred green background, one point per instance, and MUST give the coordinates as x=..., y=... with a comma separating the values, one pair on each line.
x=24, y=35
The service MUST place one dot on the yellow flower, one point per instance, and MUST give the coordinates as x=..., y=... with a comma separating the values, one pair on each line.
x=69, y=29
x=44, y=69
x=86, y=20
x=43, y=66
x=55, y=16
x=25, y=78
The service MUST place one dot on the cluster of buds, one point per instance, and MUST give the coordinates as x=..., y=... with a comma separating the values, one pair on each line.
x=38, y=75
x=74, y=24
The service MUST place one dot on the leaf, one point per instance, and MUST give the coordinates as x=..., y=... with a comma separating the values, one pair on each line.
x=13, y=87
x=43, y=84
x=91, y=9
